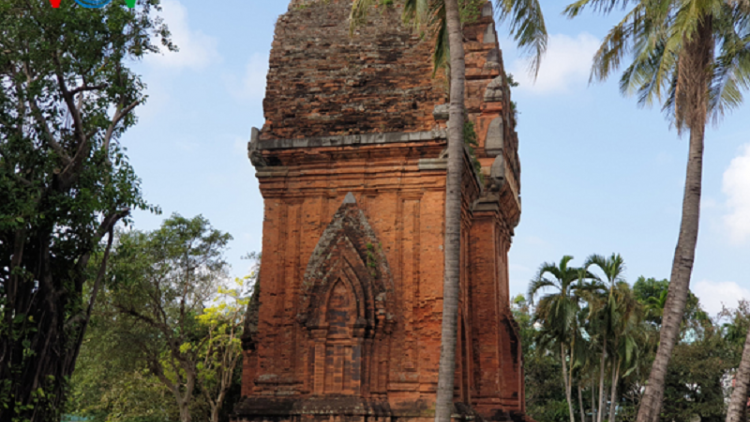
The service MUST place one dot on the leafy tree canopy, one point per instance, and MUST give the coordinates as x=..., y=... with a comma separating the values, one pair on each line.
x=67, y=94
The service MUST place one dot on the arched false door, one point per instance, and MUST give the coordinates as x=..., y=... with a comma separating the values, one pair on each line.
x=346, y=307
x=343, y=363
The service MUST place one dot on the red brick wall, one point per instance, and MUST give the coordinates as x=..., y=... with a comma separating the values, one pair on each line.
x=322, y=83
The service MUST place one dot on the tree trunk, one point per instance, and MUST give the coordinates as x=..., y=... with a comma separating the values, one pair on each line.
x=184, y=411
x=682, y=267
x=581, y=410
x=601, y=380
x=613, y=396
x=593, y=401
x=566, y=381
x=738, y=400
x=215, y=413
x=693, y=86
x=446, y=371
x=47, y=358
x=182, y=398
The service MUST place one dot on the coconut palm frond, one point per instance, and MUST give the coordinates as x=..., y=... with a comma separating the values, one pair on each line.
x=574, y=9
x=616, y=44
x=358, y=13
x=731, y=72
x=645, y=33
x=417, y=12
x=527, y=27
x=441, y=51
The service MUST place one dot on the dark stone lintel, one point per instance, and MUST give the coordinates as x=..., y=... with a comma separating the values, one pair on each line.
x=344, y=140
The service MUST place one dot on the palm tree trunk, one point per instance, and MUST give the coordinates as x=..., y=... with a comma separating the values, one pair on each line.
x=738, y=401
x=613, y=396
x=570, y=374
x=601, y=379
x=593, y=400
x=581, y=410
x=694, y=87
x=682, y=267
x=446, y=370
x=566, y=381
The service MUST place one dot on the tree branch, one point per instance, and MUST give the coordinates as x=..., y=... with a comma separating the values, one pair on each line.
x=156, y=369
x=68, y=97
x=137, y=315
x=85, y=316
x=85, y=87
x=41, y=121
x=120, y=114
x=109, y=222
x=66, y=176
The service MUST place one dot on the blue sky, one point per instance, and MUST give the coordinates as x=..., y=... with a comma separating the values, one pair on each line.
x=599, y=174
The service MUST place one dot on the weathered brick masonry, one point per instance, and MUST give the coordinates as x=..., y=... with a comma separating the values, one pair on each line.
x=351, y=165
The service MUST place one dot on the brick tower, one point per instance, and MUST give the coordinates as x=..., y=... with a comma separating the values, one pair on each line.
x=351, y=165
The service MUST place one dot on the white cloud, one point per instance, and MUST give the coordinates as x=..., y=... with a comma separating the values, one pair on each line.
x=713, y=295
x=566, y=63
x=252, y=84
x=736, y=185
x=196, y=49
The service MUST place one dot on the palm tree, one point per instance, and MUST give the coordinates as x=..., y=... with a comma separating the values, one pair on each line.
x=585, y=371
x=693, y=56
x=583, y=349
x=557, y=313
x=530, y=32
x=655, y=307
x=606, y=305
x=593, y=295
x=625, y=321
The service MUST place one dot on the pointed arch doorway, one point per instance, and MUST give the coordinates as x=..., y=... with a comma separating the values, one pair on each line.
x=346, y=308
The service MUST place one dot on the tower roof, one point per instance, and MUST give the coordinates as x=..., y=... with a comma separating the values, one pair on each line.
x=325, y=80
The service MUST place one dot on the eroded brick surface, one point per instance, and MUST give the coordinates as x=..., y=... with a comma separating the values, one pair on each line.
x=351, y=166
x=324, y=81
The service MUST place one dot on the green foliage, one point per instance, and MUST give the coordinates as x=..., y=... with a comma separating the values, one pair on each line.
x=222, y=351
x=471, y=10
x=629, y=319
x=511, y=82
x=545, y=395
x=652, y=294
x=694, y=379
x=67, y=94
x=168, y=319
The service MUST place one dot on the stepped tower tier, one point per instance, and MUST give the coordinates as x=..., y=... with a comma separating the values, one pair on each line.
x=351, y=163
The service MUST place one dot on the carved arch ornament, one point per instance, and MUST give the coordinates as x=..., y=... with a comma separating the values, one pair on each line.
x=346, y=304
